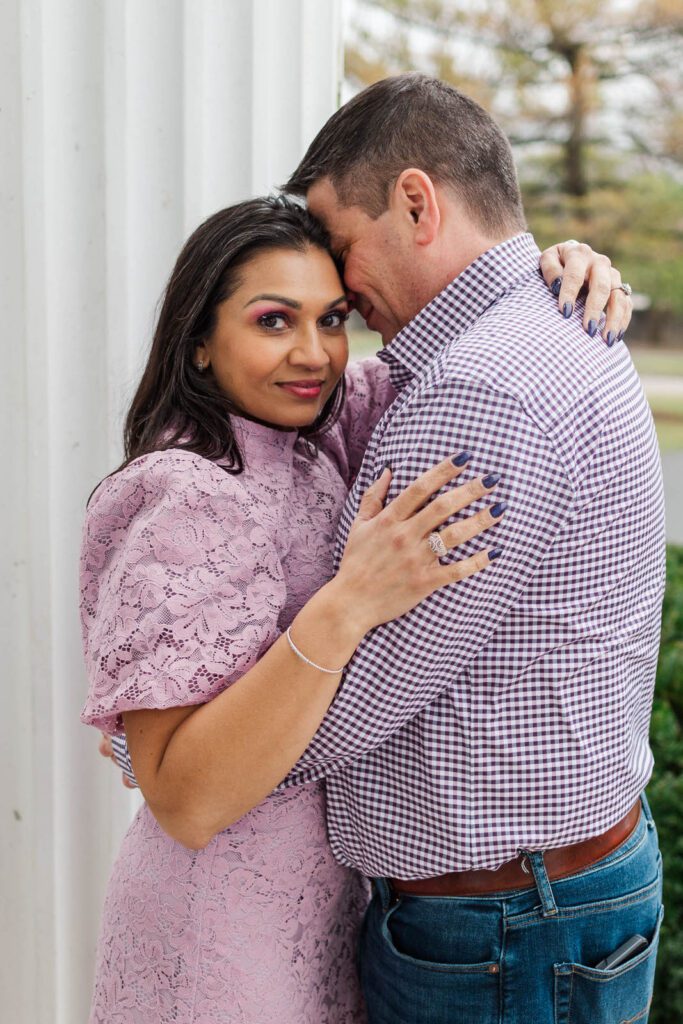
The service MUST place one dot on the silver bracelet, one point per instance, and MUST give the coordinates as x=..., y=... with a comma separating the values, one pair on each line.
x=327, y=671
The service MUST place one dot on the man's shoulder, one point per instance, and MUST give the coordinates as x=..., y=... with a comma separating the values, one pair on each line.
x=524, y=350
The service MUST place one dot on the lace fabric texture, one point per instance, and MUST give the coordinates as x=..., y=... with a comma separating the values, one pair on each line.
x=259, y=927
x=188, y=575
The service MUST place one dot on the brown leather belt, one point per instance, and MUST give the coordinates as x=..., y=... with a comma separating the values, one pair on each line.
x=560, y=862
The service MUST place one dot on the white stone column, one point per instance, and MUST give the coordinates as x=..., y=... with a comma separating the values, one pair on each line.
x=122, y=124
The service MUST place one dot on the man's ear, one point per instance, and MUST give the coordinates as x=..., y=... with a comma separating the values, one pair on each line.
x=414, y=197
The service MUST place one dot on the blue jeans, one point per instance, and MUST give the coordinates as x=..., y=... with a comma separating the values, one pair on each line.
x=519, y=957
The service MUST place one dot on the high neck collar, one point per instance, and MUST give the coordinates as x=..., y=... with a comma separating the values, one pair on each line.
x=461, y=302
x=260, y=443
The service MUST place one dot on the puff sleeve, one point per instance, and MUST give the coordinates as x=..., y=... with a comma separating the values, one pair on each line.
x=181, y=586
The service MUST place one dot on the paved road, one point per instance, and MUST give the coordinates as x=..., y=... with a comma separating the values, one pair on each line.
x=672, y=466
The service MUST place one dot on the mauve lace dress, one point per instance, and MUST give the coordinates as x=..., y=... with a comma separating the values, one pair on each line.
x=188, y=575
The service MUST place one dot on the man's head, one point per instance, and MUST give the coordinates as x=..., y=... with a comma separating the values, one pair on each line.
x=413, y=180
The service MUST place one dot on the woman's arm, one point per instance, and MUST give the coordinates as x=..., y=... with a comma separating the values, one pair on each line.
x=202, y=768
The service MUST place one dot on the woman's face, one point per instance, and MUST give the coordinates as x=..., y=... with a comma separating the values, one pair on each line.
x=279, y=345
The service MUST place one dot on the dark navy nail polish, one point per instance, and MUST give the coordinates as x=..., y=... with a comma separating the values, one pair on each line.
x=498, y=509
x=556, y=286
x=491, y=480
x=620, y=335
x=592, y=328
x=461, y=459
x=611, y=338
x=496, y=553
x=567, y=310
x=385, y=467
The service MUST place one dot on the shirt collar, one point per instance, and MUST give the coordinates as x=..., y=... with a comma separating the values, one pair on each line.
x=453, y=310
x=261, y=444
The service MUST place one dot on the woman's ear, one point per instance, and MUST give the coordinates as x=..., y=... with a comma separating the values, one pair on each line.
x=414, y=198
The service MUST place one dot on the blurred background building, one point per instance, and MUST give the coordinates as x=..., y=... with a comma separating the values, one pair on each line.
x=122, y=125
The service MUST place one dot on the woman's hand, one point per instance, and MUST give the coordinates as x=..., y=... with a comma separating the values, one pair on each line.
x=388, y=565
x=569, y=266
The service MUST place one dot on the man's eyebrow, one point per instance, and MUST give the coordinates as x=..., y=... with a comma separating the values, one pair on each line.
x=274, y=298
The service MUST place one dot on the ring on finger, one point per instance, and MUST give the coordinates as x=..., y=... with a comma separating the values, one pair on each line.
x=437, y=545
x=625, y=288
x=571, y=241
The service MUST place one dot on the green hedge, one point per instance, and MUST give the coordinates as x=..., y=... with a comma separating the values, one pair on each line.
x=665, y=794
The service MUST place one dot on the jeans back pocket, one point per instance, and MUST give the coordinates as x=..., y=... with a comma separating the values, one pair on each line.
x=585, y=995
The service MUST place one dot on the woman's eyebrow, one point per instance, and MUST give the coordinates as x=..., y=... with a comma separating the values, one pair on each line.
x=291, y=302
x=274, y=298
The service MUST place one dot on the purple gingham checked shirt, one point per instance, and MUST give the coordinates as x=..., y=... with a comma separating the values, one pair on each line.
x=510, y=710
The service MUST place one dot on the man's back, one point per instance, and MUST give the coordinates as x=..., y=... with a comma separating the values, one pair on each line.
x=510, y=711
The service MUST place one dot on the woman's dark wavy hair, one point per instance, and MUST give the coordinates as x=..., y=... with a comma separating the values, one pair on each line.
x=176, y=405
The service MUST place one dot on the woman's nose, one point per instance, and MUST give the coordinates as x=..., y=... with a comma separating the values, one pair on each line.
x=309, y=348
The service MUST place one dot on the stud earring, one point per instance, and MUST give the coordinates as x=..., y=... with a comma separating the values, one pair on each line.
x=200, y=366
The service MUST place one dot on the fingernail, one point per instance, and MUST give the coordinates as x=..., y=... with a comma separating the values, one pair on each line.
x=592, y=328
x=491, y=480
x=496, y=553
x=385, y=467
x=611, y=338
x=461, y=459
x=556, y=286
x=498, y=509
x=567, y=310
x=620, y=335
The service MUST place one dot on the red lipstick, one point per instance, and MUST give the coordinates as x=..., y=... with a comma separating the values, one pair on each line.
x=302, y=388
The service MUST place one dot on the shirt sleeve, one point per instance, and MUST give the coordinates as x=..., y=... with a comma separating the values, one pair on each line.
x=181, y=588
x=369, y=393
x=401, y=667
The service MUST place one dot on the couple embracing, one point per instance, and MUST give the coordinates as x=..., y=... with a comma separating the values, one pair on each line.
x=382, y=638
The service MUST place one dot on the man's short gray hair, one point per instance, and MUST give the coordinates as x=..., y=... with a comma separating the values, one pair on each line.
x=413, y=120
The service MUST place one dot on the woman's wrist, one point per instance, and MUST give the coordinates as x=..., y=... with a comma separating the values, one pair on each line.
x=345, y=625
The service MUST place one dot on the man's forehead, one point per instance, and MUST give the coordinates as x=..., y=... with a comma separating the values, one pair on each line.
x=323, y=203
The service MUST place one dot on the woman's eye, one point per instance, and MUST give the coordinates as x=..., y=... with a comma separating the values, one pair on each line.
x=334, y=319
x=272, y=321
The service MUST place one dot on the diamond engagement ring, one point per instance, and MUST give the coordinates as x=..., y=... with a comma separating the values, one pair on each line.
x=624, y=287
x=437, y=545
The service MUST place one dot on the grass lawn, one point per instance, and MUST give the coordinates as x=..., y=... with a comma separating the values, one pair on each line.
x=670, y=435
x=658, y=362
x=667, y=407
x=363, y=343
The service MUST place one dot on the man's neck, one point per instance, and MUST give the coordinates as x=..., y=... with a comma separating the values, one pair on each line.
x=459, y=249
x=463, y=244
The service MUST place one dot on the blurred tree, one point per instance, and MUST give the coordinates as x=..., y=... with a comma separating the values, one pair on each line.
x=590, y=96
x=573, y=77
